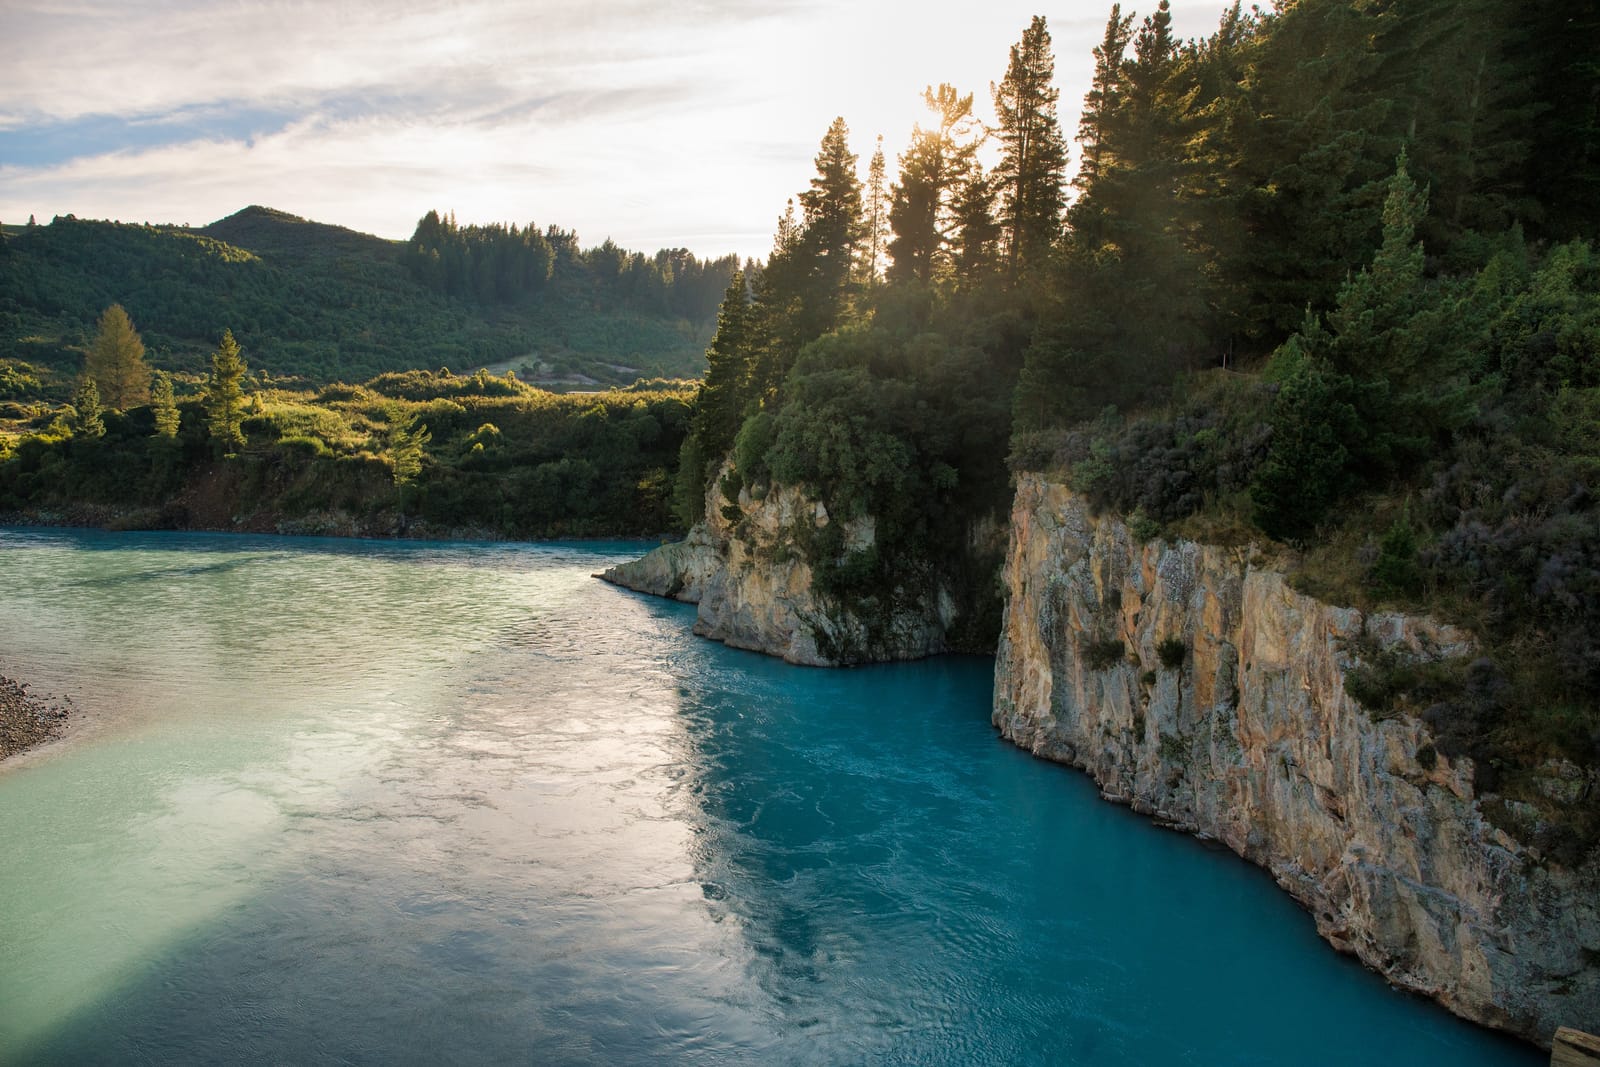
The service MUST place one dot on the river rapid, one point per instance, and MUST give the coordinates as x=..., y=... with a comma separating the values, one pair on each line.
x=367, y=802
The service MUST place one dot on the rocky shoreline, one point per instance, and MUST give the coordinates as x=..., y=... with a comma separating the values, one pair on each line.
x=26, y=720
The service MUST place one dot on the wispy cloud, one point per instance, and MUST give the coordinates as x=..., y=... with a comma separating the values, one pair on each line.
x=653, y=122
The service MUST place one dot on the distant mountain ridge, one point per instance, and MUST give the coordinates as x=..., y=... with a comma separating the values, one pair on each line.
x=325, y=303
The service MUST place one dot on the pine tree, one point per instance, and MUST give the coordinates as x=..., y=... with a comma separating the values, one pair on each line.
x=165, y=406
x=1399, y=339
x=86, y=420
x=1033, y=160
x=726, y=390
x=406, y=439
x=875, y=217
x=116, y=361
x=1465, y=111
x=832, y=207
x=932, y=170
x=1557, y=53
x=1314, y=144
x=224, y=397
x=975, y=251
x=1104, y=99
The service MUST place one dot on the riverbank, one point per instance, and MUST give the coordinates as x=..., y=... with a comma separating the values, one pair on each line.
x=388, y=526
x=25, y=720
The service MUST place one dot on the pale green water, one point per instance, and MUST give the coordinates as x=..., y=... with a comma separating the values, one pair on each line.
x=350, y=802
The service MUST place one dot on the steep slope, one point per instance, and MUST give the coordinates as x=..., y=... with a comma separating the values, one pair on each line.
x=1194, y=685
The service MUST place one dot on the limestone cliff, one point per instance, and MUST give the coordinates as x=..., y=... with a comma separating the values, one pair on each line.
x=746, y=567
x=1252, y=740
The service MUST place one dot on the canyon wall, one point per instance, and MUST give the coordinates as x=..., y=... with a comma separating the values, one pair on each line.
x=1196, y=686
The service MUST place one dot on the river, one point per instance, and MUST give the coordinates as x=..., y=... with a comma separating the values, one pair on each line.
x=367, y=802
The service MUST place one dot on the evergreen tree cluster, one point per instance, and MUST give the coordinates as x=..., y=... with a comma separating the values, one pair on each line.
x=323, y=304
x=501, y=264
x=1228, y=184
x=872, y=356
x=1323, y=276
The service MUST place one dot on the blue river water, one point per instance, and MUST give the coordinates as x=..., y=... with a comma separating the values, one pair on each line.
x=333, y=802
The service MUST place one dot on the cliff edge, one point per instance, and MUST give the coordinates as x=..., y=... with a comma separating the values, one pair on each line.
x=1197, y=687
x=747, y=567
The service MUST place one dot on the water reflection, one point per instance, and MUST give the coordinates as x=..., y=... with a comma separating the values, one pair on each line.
x=461, y=804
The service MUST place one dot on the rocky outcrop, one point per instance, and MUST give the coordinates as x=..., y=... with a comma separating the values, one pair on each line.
x=1196, y=686
x=746, y=567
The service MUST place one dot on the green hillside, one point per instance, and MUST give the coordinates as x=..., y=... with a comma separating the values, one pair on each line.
x=322, y=303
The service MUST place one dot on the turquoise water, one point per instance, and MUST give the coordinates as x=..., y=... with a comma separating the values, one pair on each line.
x=357, y=802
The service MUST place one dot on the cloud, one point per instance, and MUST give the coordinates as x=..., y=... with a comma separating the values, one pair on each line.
x=655, y=123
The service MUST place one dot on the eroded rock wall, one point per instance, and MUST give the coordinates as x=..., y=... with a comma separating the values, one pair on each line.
x=746, y=567
x=1252, y=740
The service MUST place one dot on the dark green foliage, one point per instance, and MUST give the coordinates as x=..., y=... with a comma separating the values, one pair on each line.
x=906, y=431
x=322, y=303
x=518, y=463
x=1387, y=682
x=1142, y=526
x=750, y=448
x=1307, y=466
x=164, y=406
x=86, y=419
x=1172, y=651
x=1556, y=53
x=224, y=398
x=507, y=265
x=1395, y=570
x=1102, y=653
x=1033, y=161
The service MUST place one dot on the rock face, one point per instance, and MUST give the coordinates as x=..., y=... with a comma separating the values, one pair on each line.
x=1252, y=740
x=746, y=568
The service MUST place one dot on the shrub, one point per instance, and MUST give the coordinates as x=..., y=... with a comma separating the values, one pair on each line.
x=300, y=445
x=1395, y=569
x=1172, y=651
x=1101, y=654
x=1142, y=526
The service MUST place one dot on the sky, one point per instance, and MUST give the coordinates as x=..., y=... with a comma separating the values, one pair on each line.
x=657, y=123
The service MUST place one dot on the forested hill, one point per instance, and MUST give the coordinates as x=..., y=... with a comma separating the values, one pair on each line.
x=323, y=303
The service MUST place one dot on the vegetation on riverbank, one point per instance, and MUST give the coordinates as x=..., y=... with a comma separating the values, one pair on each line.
x=412, y=452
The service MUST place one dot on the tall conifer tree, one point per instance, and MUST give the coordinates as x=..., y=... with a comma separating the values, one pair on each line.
x=164, y=405
x=875, y=217
x=224, y=395
x=832, y=207
x=932, y=171
x=86, y=406
x=116, y=362
x=1033, y=160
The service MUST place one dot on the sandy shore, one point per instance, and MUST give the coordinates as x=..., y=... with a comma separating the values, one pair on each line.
x=26, y=720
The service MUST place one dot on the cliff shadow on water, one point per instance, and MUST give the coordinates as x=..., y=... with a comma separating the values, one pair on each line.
x=1196, y=686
